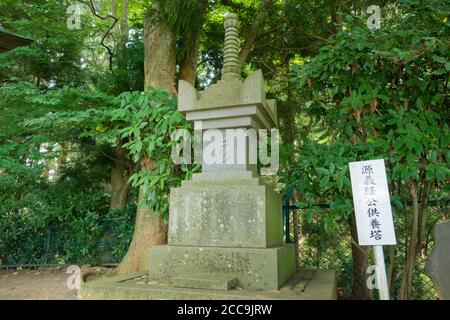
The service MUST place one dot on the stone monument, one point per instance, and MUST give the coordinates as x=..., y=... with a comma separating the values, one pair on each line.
x=225, y=225
x=225, y=235
x=438, y=263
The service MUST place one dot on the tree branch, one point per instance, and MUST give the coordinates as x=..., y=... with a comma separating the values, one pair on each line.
x=254, y=31
x=90, y=4
x=301, y=30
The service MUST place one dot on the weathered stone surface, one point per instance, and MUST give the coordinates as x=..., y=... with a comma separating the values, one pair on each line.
x=231, y=67
x=232, y=213
x=223, y=176
x=226, y=100
x=230, y=92
x=438, y=263
x=205, y=281
x=304, y=285
x=230, y=150
x=233, y=116
x=267, y=268
x=229, y=103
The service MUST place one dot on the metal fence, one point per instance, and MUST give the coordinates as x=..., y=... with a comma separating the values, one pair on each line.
x=333, y=250
x=317, y=248
x=105, y=244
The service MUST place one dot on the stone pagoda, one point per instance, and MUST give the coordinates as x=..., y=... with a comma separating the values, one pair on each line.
x=225, y=235
x=225, y=225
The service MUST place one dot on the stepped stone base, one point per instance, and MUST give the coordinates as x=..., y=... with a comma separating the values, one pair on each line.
x=304, y=285
x=254, y=268
x=205, y=281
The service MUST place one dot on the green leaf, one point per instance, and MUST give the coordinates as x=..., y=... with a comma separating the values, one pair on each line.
x=301, y=205
x=405, y=174
x=309, y=214
x=324, y=182
x=340, y=182
x=322, y=171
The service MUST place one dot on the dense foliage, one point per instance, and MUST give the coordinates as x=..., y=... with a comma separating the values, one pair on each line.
x=377, y=95
x=49, y=180
x=374, y=95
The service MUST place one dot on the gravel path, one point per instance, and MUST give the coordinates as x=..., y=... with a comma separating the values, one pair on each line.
x=32, y=284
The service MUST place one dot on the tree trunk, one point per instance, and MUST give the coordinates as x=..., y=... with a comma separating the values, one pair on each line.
x=360, y=290
x=423, y=216
x=391, y=271
x=255, y=30
x=149, y=230
x=188, y=64
x=119, y=188
x=296, y=230
x=335, y=11
x=114, y=8
x=411, y=253
x=159, y=68
x=159, y=61
x=119, y=181
x=124, y=28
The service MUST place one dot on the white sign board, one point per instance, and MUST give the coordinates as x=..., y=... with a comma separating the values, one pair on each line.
x=372, y=204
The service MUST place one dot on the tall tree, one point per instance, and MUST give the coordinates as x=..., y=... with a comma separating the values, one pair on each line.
x=159, y=65
x=190, y=44
x=124, y=27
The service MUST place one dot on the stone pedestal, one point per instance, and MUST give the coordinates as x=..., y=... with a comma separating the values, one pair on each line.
x=253, y=268
x=225, y=223
x=304, y=285
x=212, y=211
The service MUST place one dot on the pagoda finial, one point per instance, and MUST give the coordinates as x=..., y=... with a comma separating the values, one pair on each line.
x=231, y=67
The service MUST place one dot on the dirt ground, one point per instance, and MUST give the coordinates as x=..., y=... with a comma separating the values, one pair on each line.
x=35, y=284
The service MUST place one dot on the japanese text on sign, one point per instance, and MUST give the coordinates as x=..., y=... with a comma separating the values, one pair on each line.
x=372, y=203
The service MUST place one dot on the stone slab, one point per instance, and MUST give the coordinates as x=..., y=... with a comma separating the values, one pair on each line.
x=205, y=281
x=227, y=94
x=255, y=268
x=304, y=285
x=438, y=263
x=249, y=116
x=217, y=176
x=230, y=150
x=232, y=213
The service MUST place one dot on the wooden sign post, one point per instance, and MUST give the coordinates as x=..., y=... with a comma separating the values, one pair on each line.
x=373, y=213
